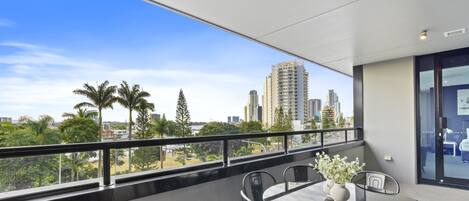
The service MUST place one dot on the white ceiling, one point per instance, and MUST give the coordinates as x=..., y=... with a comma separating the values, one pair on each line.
x=337, y=33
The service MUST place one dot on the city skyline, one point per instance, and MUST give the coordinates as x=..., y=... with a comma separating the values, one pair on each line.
x=150, y=46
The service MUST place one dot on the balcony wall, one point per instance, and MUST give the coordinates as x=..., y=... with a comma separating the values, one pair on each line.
x=228, y=189
x=389, y=127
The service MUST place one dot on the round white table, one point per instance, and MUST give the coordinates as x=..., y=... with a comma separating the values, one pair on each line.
x=314, y=192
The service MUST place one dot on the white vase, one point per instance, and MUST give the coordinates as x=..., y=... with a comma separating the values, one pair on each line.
x=339, y=192
x=326, y=188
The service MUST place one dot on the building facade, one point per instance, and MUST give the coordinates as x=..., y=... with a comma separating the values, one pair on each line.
x=233, y=119
x=332, y=100
x=6, y=119
x=328, y=117
x=251, y=110
x=314, y=109
x=286, y=87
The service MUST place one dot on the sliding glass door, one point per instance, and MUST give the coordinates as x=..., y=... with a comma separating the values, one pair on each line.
x=443, y=117
x=454, y=115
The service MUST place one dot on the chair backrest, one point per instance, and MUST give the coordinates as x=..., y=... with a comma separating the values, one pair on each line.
x=377, y=182
x=254, y=184
x=464, y=145
x=244, y=197
x=302, y=173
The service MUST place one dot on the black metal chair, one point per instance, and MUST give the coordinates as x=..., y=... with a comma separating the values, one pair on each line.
x=302, y=173
x=377, y=182
x=254, y=184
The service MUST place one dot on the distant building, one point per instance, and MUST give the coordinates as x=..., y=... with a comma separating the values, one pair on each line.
x=251, y=110
x=6, y=119
x=286, y=87
x=95, y=118
x=332, y=100
x=328, y=115
x=155, y=117
x=108, y=134
x=106, y=125
x=259, y=113
x=314, y=109
x=233, y=119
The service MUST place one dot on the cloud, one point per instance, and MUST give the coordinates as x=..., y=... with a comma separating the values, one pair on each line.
x=40, y=80
x=6, y=23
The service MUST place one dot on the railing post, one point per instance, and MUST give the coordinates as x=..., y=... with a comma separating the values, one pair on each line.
x=285, y=144
x=226, y=160
x=322, y=139
x=346, y=137
x=360, y=133
x=106, y=167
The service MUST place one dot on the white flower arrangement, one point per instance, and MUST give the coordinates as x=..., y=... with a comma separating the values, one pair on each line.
x=337, y=168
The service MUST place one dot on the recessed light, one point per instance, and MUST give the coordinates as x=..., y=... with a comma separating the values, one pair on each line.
x=423, y=35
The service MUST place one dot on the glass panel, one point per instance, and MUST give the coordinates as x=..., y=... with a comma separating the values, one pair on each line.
x=304, y=140
x=46, y=170
x=455, y=109
x=352, y=135
x=157, y=158
x=427, y=122
x=255, y=146
x=334, y=137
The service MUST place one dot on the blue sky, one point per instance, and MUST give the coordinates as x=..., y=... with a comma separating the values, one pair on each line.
x=50, y=47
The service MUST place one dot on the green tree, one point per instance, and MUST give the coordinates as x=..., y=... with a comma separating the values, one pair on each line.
x=40, y=128
x=28, y=172
x=212, y=150
x=117, y=156
x=251, y=127
x=79, y=130
x=183, y=122
x=162, y=128
x=341, y=121
x=307, y=138
x=282, y=122
x=81, y=113
x=119, y=126
x=328, y=117
x=100, y=97
x=143, y=120
x=145, y=157
x=130, y=97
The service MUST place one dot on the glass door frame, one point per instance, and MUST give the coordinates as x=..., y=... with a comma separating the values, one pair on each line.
x=440, y=122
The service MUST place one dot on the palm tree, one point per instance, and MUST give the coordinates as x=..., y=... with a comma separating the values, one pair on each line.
x=101, y=97
x=81, y=113
x=39, y=127
x=162, y=128
x=130, y=97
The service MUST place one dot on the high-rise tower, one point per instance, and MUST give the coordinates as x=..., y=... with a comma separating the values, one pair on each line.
x=286, y=87
x=251, y=110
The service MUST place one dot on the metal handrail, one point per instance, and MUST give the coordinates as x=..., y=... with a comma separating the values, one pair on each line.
x=106, y=146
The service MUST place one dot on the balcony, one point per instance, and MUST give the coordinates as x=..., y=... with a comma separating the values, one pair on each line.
x=409, y=61
x=292, y=148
